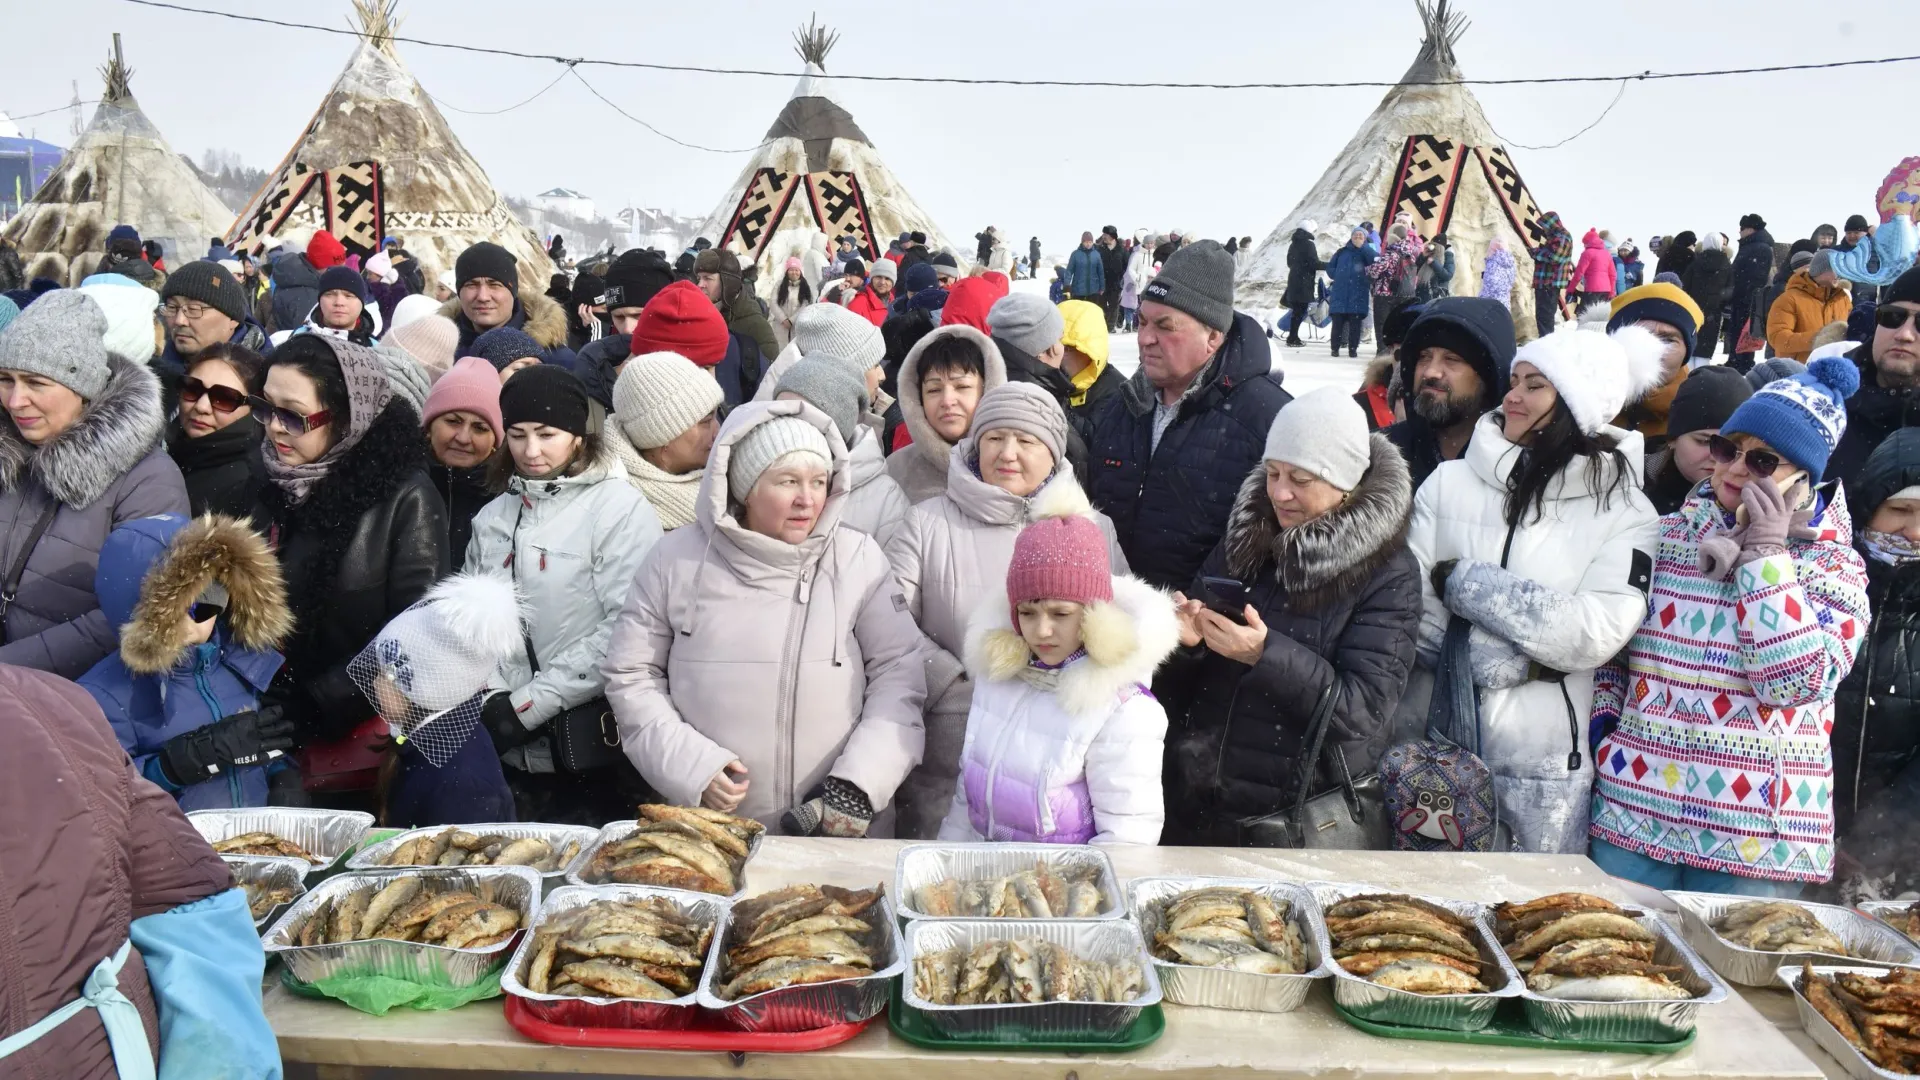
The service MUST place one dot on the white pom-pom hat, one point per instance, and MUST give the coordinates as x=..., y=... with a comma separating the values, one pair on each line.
x=1597, y=374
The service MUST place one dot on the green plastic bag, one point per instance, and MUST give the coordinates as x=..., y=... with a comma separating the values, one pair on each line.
x=377, y=994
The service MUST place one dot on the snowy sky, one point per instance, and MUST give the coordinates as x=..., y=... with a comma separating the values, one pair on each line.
x=1800, y=148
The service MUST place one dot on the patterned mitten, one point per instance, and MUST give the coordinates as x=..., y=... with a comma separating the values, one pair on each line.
x=836, y=808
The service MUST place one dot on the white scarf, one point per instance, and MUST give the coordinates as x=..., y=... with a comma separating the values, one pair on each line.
x=674, y=497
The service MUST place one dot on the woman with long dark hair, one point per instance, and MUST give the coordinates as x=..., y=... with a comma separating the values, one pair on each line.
x=792, y=294
x=1539, y=540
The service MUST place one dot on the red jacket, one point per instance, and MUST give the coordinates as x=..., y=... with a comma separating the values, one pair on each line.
x=870, y=305
x=1594, y=272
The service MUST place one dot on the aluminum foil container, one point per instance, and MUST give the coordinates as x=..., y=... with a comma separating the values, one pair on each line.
x=619, y=830
x=328, y=834
x=817, y=1005
x=1870, y=942
x=1218, y=988
x=373, y=856
x=920, y=865
x=1383, y=1004
x=1107, y=941
x=1633, y=1021
x=514, y=886
x=273, y=871
x=1891, y=912
x=1830, y=1040
x=605, y=1012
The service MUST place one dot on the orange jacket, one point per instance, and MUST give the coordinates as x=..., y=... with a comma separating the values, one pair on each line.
x=1802, y=309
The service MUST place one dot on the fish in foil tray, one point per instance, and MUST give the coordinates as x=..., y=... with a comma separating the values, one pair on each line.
x=1039, y=893
x=1022, y=971
x=678, y=847
x=263, y=843
x=1776, y=926
x=1405, y=943
x=457, y=847
x=406, y=910
x=798, y=935
x=1879, y=1015
x=643, y=949
x=1232, y=928
x=1578, y=947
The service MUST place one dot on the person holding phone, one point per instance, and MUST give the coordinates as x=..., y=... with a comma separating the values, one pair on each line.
x=1718, y=774
x=1311, y=593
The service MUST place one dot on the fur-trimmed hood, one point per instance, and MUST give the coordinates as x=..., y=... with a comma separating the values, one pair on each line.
x=1334, y=554
x=211, y=549
x=1125, y=638
x=536, y=314
x=114, y=432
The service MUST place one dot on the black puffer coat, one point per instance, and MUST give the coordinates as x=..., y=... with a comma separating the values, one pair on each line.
x=1752, y=268
x=1303, y=268
x=368, y=542
x=464, y=492
x=1709, y=280
x=1873, y=414
x=598, y=366
x=1169, y=506
x=1341, y=600
x=223, y=469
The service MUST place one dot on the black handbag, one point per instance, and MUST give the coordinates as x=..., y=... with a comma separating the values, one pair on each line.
x=1349, y=816
x=584, y=738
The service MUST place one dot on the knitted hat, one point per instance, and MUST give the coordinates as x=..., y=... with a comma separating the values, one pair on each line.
x=62, y=336
x=1801, y=417
x=635, y=278
x=129, y=309
x=659, y=395
x=1060, y=556
x=921, y=276
x=412, y=308
x=1752, y=221
x=831, y=384
x=487, y=260
x=946, y=261
x=1084, y=329
x=341, y=279
x=1325, y=433
x=1856, y=223
x=681, y=319
x=502, y=345
x=1705, y=399
x=1904, y=290
x=1822, y=262
x=758, y=449
x=1022, y=407
x=830, y=328
x=545, y=394
x=123, y=234
x=430, y=340
x=209, y=283
x=1027, y=321
x=471, y=386
x=1800, y=260
x=409, y=378
x=381, y=267
x=1669, y=304
x=885, y=268
x=1197, y=279
x=587, y=289
x=324, y=252
x=854, y=267
x=917, y=236
x=792, y=263
x=1597, y=374
x=8, y=311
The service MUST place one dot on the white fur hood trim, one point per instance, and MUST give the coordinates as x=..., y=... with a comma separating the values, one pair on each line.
x=1126, y=640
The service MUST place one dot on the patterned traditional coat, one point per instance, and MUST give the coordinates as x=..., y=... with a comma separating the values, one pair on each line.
x=1721, y=760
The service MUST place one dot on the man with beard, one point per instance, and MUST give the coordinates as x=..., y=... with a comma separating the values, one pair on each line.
x=1889, y=394
x=1453, y=368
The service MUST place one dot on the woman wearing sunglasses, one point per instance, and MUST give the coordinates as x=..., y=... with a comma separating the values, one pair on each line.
x=1718, y=776
x=1536, y=543
x=358, y=528
x=216, y=440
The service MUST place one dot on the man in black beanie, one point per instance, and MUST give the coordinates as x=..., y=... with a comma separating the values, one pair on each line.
x=1889, y=394
x=202, y=305
x=1169, y=452
x=1453, y=364
x=486, y=280
x=586, y=310
x=630, y=282
x=343, y=306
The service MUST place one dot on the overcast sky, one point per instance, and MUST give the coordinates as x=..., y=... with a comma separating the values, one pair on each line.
x=1800, y=148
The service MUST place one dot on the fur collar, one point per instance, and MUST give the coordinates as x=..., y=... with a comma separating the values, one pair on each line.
x=115, y=431
x=540, y=318
x=1126, y=639
x=1334, y=554
x=211, y=549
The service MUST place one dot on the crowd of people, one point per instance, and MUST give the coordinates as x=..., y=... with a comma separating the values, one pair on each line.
x=884, y=547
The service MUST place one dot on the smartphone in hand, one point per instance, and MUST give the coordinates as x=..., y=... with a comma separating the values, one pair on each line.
x=1225, y=596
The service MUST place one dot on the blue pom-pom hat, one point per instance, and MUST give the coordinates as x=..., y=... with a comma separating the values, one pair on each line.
x=1803, y=417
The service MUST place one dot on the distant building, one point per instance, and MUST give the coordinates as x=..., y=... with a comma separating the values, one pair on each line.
x=25, y=164
x=565, y=202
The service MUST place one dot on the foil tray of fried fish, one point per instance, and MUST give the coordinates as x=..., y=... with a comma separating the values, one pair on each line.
x=449, y=926
x=1420, y=961
x=1007, y=881
x=1052, y=978
x=1902, y=915
x=621, y=956
x=803, y=957
x=549, y=849
x=1748, y=941
x=1868, y=1019
x=270, y=882
x=672, y=847
x=319, y=837
x=1230, y=944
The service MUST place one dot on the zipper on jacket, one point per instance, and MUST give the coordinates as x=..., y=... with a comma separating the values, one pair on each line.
x=785, y=750
x=993, y=779
x=213, y=708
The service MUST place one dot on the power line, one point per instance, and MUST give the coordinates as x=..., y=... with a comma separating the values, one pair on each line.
x=575, y=72
x=44, y=112
x=1089, y=83
x=1555, y=146
x=496, y=112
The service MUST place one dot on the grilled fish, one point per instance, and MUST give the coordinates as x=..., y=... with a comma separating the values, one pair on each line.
x=262, y=899
x=1349, y=946
x=1608, y=988
x=1585, y=924
x=490, y=924
x=1426, y=977
x=1418, y=924
x=936, y=976
x=263, y=843
x=1356, y=906
x=1367, y=963
x=617, y=980
x=395, y=895
x=649, y=950
x=1771, y=926
x=788, y=971
x=348, y=914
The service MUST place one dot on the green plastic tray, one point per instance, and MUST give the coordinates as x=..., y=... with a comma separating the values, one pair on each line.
x=1510, y=1028
x=911, y=1025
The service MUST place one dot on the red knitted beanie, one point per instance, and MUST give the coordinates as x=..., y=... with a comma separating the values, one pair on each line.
x=680, y=319
x=1059, y=558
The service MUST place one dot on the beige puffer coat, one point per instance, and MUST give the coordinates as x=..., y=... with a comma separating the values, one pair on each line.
x=875, y=503
x=921, y=469
x=949, y=552
x=800, y=660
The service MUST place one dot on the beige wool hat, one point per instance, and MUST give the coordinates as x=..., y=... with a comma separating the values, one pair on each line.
x=659, y=395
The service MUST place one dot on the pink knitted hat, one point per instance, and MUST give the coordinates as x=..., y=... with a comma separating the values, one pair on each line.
x=1059, y=558
x=471, y=386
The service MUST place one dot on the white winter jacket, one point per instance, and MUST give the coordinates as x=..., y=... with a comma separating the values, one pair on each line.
x=1070, y=755
x=876, y=505
x=573, y=545
x=1570, y=596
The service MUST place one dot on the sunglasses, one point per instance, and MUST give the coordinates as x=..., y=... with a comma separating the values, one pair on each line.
x=1889, y=317
x=290, y=422
x=1760, y=463
x=225, y=399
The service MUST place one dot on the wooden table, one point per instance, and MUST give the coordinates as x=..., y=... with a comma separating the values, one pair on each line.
x=1736, y=1038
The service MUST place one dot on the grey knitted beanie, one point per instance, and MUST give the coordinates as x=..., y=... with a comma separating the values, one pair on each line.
x=829, y=384
x=62, y=336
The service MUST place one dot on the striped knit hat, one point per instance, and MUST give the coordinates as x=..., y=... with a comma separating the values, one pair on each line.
x=1801, y=417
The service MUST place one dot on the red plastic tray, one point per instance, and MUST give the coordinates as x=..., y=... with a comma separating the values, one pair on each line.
x=723, y=1040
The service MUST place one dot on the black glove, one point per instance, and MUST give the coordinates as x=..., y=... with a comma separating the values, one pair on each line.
x=503, y=724
x=246, y=738
x=1442, y=570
